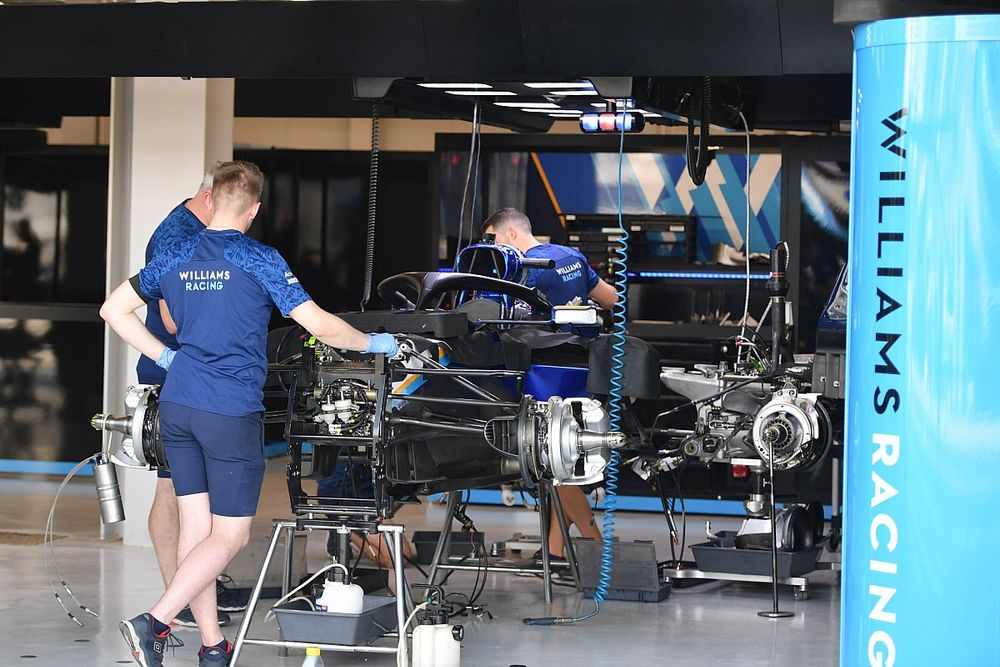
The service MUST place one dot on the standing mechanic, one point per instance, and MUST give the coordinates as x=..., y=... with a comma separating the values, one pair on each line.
x=570, y=278
x=181, y=224
x=219, y=286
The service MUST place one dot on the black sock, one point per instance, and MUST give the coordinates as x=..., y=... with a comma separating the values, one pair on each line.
x=158, y=627
x=222, y=646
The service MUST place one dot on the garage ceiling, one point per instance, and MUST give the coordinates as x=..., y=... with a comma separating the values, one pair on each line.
x=295, y=59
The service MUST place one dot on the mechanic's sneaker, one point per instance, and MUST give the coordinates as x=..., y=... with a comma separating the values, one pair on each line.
x=215, y=655
x=565, y=575
x=552, y=557
x=185, y=618
x=230, y=599
x=146, y=645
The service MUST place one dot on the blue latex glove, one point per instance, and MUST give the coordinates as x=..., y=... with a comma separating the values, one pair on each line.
x=166, y=358
x=384, y=343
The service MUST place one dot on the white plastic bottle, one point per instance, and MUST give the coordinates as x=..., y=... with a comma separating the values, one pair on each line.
x=314, y=657
x=436, y=646
x=341, y=597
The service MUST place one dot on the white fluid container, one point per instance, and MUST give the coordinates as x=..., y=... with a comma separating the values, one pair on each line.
x=435, y=646
x=340, y=597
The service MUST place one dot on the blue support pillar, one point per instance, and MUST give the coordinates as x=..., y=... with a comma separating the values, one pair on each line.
x=921, y=573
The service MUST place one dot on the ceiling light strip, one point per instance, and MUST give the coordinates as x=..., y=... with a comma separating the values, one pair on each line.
x=482, y=93
x=564, y=84
x=455, y=85
x=528, y=105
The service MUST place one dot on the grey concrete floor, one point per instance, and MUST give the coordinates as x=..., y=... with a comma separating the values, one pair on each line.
x=715, y=625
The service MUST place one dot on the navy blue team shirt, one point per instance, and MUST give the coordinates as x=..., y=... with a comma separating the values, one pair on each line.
x=179, y=226
x=220, y=286
x=572, y=276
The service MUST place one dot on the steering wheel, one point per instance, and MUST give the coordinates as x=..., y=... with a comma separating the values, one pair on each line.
x=402, y=290
x=415, y=290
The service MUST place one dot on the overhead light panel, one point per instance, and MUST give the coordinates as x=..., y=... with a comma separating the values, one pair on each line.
x=483, y=93
x=566, y=93
x=455, y=85
x=565, y=84
x=528, y=105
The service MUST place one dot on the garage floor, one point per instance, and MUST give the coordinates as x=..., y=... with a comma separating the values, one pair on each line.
x=716, y=624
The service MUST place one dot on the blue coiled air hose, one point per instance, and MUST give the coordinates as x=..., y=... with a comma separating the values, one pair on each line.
x=620, y=263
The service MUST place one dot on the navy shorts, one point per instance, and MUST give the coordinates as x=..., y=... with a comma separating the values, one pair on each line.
x=215, y=454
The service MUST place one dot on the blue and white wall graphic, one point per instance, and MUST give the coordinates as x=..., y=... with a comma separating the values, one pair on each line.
x=658, y=183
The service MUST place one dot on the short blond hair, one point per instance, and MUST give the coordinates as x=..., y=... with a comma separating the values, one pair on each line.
x=236, y=185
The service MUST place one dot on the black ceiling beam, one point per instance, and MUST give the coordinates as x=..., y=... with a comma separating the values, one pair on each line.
x=790, y=101
x=213, y=39
x=494, y=39
x=853, y=12
x=470, y=39
x=42, y=102
x=643, y=38
x=816, y=102
x=20, y=137
x=810, y=45
x=297, y=59
x=300, y=98
x=54, y=97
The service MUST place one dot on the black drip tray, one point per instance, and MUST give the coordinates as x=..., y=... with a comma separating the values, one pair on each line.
x=720, y=557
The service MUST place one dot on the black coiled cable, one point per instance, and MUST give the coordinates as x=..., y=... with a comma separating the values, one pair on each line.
x=372, y=196
x=698, y=160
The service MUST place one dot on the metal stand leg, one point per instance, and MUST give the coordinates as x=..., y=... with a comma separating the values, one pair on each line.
x=399, y=565
x=834, y=489
x=398, y=560
x=408, y=603
x=835, y=536
x=444, y=541
x=286, y=574
x=543, y=529
x=255, y=594
x=777, y=288
x=569, y=551
x=774, y=612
